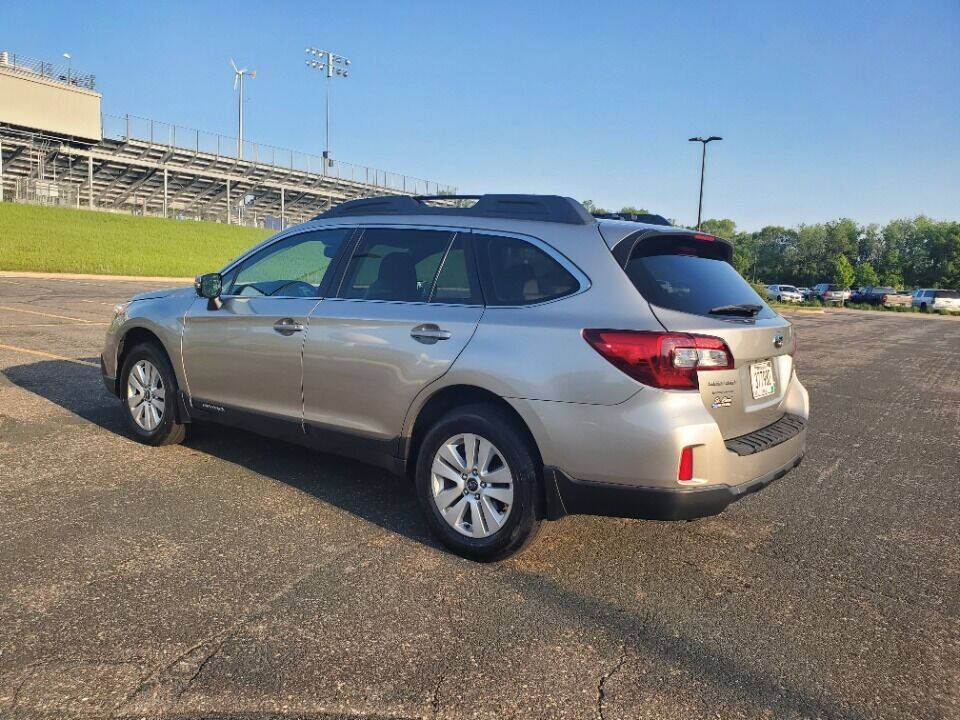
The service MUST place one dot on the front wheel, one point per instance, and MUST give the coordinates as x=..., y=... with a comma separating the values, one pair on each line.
x=149, y=390
x=477, y=482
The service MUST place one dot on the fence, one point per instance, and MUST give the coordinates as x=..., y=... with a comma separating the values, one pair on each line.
x=124, y=127
x=63, y=73
x=47, y=192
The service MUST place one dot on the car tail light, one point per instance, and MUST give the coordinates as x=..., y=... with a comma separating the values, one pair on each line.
x=661, y=359
x=685, y=472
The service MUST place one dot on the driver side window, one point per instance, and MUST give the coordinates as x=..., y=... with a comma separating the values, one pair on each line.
x=294, y=267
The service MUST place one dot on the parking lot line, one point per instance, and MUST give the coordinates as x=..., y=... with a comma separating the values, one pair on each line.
x=14, y=348
x=37, y=312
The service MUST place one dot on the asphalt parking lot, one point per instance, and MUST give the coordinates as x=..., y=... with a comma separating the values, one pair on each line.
x=234, y=576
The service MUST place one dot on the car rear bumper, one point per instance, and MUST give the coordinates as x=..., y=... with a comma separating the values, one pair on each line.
x=623, y=459
x=566, y=496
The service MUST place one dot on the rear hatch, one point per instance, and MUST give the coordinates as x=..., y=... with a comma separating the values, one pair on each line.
x=693, y=288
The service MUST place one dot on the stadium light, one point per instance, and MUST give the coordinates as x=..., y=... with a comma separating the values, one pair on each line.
x=703, y=164
x=326, y=60
x=238, y=75
x=69, y=58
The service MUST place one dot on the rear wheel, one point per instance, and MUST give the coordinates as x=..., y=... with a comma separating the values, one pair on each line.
x=476, y=480
x=923, y=307
x=149, y=389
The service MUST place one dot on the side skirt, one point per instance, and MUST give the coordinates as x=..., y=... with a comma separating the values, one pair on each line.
x=372, y=451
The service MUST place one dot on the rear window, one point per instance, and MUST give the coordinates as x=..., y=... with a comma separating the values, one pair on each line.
x=676, y=275
x=947, y=294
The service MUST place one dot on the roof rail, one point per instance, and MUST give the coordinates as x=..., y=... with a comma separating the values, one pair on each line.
x=544, y=208
x=648, y=218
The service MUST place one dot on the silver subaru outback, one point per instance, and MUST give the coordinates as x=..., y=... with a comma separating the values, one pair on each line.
x=519, y=359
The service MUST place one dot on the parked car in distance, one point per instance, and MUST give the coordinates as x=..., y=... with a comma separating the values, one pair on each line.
x=517, y=360
x=805, y=292
x=928, y=299
x=783, y=293
x=830, y=293
x=886, y=296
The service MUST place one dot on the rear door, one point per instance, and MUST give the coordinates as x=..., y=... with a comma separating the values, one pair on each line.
x=407, y=304
x=692, y=287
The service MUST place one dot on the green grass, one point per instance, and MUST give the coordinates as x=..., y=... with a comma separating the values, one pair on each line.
x=52, y=239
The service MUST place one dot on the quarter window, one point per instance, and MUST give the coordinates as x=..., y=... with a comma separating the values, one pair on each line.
x=296, y=266
x=392, y=264
x=517, y=272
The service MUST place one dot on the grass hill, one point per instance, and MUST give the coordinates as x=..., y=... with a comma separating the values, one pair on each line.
x=55, y=239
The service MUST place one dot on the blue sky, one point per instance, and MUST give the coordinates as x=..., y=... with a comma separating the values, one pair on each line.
x=827, y=110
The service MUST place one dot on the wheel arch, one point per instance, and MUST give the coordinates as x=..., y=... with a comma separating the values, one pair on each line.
x=138, y=335
x=448, y=398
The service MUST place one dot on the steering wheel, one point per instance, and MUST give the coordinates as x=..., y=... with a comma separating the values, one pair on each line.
x=295, y=288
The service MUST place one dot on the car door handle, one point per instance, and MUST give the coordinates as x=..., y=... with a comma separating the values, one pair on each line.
x=287, y=326
x=428, y=333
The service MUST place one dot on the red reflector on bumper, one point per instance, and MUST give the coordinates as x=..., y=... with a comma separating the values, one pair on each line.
x=685, y=474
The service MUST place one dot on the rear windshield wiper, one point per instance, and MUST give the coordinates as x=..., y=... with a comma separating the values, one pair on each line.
x=744, y=309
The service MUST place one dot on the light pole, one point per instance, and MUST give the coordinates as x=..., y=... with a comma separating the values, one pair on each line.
x=703, y=164
x=238, y=80
x=333, y=64
x=69, y=58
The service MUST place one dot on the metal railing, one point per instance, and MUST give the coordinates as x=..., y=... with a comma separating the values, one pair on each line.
x=62, y=73
x=132, y=127
x=46, y=192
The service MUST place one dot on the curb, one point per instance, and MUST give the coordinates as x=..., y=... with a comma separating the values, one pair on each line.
x=82, y=276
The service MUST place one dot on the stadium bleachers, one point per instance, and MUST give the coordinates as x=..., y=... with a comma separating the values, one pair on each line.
x=153, y=168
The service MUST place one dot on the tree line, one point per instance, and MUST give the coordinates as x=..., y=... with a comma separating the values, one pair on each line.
x=905, y=253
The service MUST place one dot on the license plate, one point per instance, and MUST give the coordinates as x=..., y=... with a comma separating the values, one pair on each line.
x=761, y=379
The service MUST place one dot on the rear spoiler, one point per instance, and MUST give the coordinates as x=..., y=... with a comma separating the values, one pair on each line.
x=625, y=249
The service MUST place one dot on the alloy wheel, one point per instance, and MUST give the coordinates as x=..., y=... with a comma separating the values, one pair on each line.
x=146, y=397
x=472, y=485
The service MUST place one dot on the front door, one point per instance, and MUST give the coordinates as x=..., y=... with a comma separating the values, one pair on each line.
x=244, y=357
x=407, y=305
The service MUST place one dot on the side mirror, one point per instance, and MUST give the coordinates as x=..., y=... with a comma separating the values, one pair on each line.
x=209, y=285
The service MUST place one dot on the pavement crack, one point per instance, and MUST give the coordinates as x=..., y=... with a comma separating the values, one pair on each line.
x=158, y=682
x=601, y=685
x=435, y=704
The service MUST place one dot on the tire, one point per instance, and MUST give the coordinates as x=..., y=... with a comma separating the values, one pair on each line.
x=511, y=456
x=152, y=372
x=923, y=307
x=779, y=298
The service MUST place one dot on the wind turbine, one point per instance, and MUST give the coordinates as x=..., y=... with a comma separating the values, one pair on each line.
x=238, y=81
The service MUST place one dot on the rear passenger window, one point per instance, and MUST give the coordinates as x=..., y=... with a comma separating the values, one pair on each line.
x=457, y=281
x=399, y=265
x=516, y=272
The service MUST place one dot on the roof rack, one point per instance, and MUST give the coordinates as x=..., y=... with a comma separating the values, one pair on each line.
x=648, y=218
x=544, y=208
